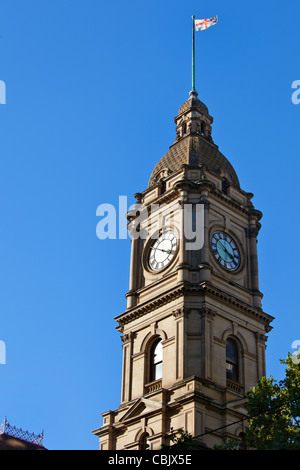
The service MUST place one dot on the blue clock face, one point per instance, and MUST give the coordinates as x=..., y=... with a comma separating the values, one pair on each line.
x=225, y=250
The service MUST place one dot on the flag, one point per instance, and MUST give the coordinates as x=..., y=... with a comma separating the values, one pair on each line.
x=206, y=23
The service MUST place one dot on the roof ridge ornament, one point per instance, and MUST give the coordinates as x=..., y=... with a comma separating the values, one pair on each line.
x=19, y=433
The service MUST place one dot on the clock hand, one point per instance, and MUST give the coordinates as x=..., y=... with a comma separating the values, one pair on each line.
x=226, y=251
x=165, y=251
x=224, y=248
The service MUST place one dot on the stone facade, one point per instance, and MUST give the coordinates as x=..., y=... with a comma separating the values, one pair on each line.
x=194, y=304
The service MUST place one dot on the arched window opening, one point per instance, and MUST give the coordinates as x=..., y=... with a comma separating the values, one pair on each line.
x=156, y=361
x=242, y=441
x=163, y=187
x=225, y=186
x=232, y=360
x=144, y=442
x=202, y=128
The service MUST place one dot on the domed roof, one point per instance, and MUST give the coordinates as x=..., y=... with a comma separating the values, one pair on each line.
x=195, y=151
x=194, y=145
x=195, y=103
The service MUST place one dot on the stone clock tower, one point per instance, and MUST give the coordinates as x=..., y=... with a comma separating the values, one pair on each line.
x=194, y=330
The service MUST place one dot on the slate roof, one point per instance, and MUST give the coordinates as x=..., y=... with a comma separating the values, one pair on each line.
x=195, y=151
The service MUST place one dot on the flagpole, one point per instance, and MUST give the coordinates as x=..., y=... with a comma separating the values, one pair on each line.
x=193, y=57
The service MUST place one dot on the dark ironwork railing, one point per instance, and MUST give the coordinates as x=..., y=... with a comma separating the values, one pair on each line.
x=19, y=433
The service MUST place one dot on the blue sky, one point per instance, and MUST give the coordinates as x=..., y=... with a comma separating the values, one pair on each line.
x=92, y=90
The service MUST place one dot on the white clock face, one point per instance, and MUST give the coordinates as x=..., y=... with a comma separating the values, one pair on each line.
x=163, y=250
x=225, y=250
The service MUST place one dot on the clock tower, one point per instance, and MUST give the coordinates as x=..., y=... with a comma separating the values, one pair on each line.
x=194, y=331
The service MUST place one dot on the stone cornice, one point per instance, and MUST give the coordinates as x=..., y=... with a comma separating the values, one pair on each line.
x=229, y=201
x=143, y=309
x=188, y=185
x=239, y=304
x=166, y=197
x=185, y=289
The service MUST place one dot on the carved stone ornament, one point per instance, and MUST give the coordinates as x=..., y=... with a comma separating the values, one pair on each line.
x=128, y=337
x=180, y=312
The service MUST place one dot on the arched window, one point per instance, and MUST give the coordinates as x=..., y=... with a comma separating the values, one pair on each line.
x=156, y=360
x=162, y=187
x=144, y=442
x=232, y=361
x=242, y=441
x=225, y=186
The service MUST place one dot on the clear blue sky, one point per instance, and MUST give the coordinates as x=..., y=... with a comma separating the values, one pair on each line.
x=92, y=90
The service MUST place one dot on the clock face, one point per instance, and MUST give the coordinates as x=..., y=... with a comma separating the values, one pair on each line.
x=225, y=250
x=163, y=250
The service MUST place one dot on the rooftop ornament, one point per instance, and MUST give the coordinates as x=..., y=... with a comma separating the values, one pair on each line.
x=9, y=430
